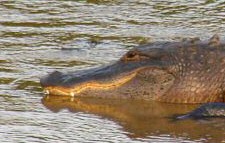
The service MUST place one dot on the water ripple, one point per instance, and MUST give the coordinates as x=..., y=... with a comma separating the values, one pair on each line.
x=37, y=37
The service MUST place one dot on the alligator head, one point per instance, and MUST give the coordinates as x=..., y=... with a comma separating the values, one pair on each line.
x=191, y=71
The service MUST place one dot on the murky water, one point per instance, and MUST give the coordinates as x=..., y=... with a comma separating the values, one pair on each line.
x=40, y=36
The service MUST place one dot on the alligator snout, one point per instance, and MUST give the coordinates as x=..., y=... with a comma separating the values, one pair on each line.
x=130, y=77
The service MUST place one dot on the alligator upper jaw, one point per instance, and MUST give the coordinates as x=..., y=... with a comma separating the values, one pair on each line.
x=99, y=79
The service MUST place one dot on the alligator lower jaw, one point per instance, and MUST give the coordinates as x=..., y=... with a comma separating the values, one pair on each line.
x=77, y=89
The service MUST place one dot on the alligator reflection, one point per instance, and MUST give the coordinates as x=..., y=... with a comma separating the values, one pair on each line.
x=142, y=118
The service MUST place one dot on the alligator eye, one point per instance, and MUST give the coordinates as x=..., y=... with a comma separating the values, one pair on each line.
x=133, y=55
x=130, y=56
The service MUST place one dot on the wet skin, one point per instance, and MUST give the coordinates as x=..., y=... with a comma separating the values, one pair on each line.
x=191, y=71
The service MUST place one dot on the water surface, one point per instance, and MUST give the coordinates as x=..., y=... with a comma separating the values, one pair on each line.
x=40, y=36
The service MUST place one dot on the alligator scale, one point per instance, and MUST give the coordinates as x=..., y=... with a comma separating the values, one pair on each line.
x=191, y=71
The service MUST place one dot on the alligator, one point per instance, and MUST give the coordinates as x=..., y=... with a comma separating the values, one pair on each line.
x=190, y=71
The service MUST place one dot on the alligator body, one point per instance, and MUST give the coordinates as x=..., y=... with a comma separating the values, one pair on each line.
x=191, y=71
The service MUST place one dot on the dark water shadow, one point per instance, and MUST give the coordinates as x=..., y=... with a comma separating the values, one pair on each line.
x=141, y=119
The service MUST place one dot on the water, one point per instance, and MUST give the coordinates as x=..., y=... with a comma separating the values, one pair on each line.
x=40, y=36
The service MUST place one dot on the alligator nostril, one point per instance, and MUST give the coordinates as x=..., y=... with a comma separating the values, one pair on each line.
x=51, y=79
x=43, y=81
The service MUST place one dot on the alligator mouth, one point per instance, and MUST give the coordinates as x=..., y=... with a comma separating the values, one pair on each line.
x=77, y=89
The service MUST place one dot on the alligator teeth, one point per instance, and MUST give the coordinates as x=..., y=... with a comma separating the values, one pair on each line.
x=72, y=94
x=46, y=92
